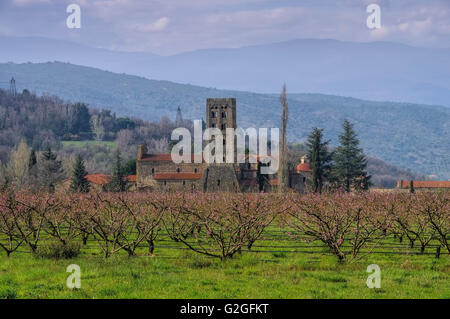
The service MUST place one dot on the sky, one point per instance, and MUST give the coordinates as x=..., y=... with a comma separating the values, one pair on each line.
x=169, y=27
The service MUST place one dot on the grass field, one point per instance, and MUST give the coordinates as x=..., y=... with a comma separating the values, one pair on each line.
x=84, y=143
x=272, y=270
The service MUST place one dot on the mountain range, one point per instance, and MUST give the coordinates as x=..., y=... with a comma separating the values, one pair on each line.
x=381, y=71
x=413, y=136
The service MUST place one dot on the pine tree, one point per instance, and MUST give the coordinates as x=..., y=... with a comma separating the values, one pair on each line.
x=117, y=183
x=320, y=158
x=79, y=182
x=350, y=162
x=48, y=155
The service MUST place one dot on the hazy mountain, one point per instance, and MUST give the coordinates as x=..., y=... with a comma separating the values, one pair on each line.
x=376, y=71
x=408, y=135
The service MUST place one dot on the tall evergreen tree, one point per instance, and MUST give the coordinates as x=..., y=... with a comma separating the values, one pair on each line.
x=79, y=182
x=32, y=161
x=282, y=171
x=117, y=183
x=350, y=162
x=50, y=171
x=320, y=158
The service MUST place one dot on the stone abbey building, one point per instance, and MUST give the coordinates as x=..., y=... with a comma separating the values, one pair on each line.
x=159, y=172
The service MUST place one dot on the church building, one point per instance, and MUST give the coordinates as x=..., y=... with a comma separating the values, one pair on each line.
x=158, y=172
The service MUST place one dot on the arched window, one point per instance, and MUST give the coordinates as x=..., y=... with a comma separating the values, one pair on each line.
x=153, y=170
x=195, y=170
x=218, y=182
x=178, y=169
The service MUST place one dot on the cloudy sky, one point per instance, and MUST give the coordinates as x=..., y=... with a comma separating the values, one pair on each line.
x=173, y=26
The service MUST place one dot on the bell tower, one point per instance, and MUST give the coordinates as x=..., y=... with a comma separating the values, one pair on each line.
x=221, y=114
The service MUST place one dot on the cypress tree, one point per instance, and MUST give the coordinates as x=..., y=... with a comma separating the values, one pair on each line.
x=411, y=187
x=79, y=182
x=350, y=162
x=32, y=160
x=117, y=183
x=320, y=158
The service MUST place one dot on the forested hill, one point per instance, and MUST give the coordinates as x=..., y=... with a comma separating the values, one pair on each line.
x=408, y=135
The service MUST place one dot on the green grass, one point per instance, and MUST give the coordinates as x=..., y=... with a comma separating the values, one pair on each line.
x=84, y=143
x=180, y=273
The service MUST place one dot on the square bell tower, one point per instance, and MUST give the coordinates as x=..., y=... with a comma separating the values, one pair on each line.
x=221, y=114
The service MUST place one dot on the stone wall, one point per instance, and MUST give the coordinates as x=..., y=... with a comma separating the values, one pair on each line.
x=220, y=177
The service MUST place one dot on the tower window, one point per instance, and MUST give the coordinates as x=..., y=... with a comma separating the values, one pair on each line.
x=224, y=126
x=195, y=170
x=218, y=182
x=214, y=114
x=153, y=170
x=224, y=114
x=178, y=169
x=213, y=125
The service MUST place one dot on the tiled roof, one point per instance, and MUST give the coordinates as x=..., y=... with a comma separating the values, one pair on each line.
x=131, y=178
x=103, y=179
x=424, y=184
x=178, y=176
x=304, y=167
x=99, y=179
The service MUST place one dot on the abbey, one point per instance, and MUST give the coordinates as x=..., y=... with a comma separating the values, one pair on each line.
x=160, y=172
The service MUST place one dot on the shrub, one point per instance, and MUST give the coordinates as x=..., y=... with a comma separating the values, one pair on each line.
x=58, y=250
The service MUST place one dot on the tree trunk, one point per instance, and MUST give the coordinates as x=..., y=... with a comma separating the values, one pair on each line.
x=151, y=247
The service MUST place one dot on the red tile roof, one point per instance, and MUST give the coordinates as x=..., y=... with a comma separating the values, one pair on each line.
x=99, y=179
x=424, y=184
x=103, y=179
x=178, y=176
x=131, y=178
x=304, y=167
